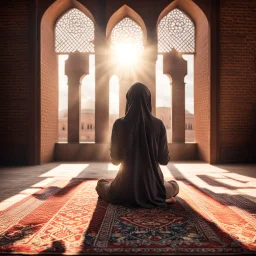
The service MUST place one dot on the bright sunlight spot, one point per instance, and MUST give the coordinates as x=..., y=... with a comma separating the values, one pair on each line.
x=66, y=170
x=126, y=54
x=126, y=42
x=112, y=167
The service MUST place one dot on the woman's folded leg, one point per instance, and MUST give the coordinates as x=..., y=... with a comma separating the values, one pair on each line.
x=102, y=189
x=172, y=188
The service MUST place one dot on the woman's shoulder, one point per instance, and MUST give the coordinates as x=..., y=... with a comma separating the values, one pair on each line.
x=158, y=121
x=118, y=122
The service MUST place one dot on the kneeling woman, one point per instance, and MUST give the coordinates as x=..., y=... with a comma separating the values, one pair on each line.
x=139, y=143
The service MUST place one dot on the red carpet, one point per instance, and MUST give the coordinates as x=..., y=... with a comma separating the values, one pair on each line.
x=72, y=220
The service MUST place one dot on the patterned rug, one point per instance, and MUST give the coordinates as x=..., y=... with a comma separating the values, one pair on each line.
x=68, y=218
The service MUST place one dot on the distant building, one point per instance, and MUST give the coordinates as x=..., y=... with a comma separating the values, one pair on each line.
x=165, y=114
x=87, y=124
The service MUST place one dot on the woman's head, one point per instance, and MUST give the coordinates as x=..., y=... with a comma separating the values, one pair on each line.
x=138, y=95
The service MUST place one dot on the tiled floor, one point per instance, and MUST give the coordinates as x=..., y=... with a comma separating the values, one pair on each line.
x=20, y=182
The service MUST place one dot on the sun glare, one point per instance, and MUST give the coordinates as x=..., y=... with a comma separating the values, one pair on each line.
x=126, y=54
x=126, y=42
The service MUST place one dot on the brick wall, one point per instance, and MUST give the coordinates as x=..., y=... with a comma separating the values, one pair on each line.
x=14, y=82
x=202, y=90
x=238, y=80
x=49, y=92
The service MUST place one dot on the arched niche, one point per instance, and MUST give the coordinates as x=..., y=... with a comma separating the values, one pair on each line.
x=48, y=121
x=121, y=13
x=202, y=74
x=135, y=28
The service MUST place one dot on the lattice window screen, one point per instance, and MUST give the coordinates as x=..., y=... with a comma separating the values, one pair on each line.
x=127, y=32
x=177, y=31
x=74, y=32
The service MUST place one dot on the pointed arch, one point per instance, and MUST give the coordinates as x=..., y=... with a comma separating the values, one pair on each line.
x=58, y=8
x=121, y=13
x=48, y=62
x=204, y=99
x=190, y=8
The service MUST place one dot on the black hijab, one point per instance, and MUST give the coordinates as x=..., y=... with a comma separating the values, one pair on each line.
x=134, y=143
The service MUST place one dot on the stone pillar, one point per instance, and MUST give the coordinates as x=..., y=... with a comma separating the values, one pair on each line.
x=125, y=82
x=150, y=78
x=102, y=69
x=76, y=66
x=175, y=66
x=147, y=67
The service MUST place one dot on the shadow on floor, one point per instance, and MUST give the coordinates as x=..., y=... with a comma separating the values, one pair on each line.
x=16, y=179
x=217, y=183
x=238, y=200
x=18, y=232
x=242, y=169
x=57, y=247
x=179, y=231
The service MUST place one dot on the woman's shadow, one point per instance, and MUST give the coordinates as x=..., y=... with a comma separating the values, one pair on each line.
x=57, y=246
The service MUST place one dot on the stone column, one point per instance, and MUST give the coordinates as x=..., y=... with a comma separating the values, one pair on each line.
x=76, y=66
x=102, y=69
x=147, y=67
x=125, y=82
x=175, y=66
x=150, y=78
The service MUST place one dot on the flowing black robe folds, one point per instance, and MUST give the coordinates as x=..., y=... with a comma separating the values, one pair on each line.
x=139, y=143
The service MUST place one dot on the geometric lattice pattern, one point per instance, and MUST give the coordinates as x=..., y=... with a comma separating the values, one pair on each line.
x=127, y=32
x=176, y=30
x=74, y=32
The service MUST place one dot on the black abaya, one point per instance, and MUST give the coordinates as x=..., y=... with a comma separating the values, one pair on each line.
x=139, y=143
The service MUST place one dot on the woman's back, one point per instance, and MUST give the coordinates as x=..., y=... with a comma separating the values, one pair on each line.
x=139, y=143
x=136, y=140
x=139, y=150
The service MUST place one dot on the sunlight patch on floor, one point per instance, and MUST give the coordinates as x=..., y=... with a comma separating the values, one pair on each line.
x=112, y=167
x=43, y=183
x=205, y=176
x=166, y=172
x=17, y=198
x=66, y=170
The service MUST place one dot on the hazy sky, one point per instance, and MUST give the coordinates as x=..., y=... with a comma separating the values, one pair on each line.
x=163, y=88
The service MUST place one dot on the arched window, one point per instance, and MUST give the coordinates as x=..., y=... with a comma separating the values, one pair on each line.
x=74, y=31
x=126, y=44
x=177, y=31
